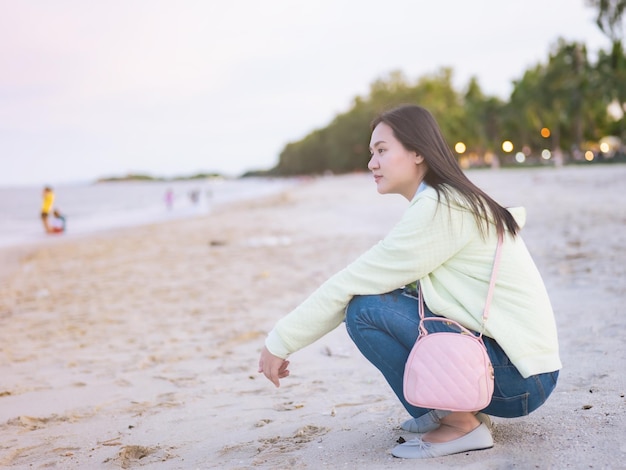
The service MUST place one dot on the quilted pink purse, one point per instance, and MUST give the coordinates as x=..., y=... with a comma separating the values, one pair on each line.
x=448, y=370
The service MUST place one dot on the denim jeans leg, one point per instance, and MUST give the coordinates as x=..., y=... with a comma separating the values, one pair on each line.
x=385, y=328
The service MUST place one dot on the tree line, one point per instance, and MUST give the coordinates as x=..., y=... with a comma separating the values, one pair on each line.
x=564, y=105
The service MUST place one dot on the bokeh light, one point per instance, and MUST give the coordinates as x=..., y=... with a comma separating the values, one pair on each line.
x=460, y=147
x=589, y=156
x=545, y=132
x=604, y=147
x=520, y=157
x=546, y=154
x=507, y=146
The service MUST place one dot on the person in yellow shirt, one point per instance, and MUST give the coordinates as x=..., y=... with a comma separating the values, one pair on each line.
x=46, y=208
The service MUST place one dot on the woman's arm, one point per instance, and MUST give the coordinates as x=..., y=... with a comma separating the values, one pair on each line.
x=428, y=234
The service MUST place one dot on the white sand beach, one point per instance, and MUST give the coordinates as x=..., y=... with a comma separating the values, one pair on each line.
x=139, y=347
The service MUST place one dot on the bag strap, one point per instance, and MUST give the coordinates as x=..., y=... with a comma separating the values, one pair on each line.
x=492, y=284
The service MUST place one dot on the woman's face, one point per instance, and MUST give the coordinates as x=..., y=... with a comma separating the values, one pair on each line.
x=396, y=170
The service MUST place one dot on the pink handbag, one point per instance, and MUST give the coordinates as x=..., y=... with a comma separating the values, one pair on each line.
x=448, y=370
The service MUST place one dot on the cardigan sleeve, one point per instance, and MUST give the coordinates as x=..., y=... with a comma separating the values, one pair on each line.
x=429, y=233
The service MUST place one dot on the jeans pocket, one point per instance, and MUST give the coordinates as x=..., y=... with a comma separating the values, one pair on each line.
x=508, y=407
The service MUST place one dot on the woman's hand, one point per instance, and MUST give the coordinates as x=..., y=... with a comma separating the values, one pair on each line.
x=273, y=367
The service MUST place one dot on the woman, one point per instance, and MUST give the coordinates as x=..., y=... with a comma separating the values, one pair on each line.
x=446, y=241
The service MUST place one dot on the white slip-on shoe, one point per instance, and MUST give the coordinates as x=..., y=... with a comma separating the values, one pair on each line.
x=430, y=421
x=479, y=438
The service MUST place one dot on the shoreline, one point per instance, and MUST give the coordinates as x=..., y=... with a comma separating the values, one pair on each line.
x=138, y=347
x=12, y=253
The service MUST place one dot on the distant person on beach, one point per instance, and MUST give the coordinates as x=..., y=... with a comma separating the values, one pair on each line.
x=444, y=245
x=194, y=196
x=57, y=224
x=46, y=208
x=169, y=199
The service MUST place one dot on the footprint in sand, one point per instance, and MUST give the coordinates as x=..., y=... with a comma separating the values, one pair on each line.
x=274, y=446
x=32, y=423
x=288, y=406
x=278, y=446
x=131, y=455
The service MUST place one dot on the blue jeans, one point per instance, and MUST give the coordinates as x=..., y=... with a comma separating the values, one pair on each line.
x=385, y=327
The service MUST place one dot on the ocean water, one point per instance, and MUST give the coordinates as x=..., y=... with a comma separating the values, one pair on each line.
x=96, y=207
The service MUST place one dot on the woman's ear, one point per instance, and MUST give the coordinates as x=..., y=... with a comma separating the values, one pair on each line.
x=419, y=159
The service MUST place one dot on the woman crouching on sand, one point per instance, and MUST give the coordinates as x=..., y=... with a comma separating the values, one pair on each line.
x=445, y=243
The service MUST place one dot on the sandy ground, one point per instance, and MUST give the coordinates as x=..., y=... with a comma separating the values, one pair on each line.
x=139, y=347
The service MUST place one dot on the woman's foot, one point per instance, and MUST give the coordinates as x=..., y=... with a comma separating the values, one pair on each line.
x=431, y=420
x=424, y=423
x=452, y=427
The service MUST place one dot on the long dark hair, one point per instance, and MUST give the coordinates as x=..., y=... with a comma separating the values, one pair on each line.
x=418, y=131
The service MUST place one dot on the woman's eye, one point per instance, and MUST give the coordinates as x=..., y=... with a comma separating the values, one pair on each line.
x=381, y=151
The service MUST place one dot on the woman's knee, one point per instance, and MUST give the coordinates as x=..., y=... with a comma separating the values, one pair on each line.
x=354, y=310
x=364, y=311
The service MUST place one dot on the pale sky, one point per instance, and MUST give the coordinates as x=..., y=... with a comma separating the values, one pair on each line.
x=100, y=88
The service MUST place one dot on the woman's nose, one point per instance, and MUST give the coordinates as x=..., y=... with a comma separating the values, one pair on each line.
x=373, y=163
